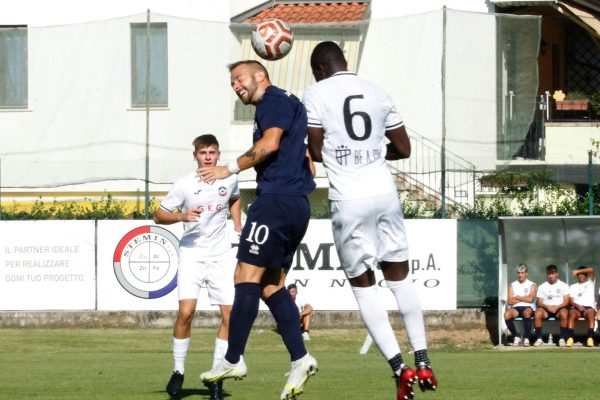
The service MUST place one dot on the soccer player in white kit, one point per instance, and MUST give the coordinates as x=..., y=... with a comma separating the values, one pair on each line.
x=583, y=304
x=348, y=121
x=521, y=299
x=205, y=260
x=552, y=302
x=304, y=309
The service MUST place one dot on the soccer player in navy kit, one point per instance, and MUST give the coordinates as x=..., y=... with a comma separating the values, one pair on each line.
x=204, y=252
x=348, y=121
x=275, y=225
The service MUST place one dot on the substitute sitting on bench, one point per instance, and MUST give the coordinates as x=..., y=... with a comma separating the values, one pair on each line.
x=521, y=297
x=552, y=302
x=582, y=302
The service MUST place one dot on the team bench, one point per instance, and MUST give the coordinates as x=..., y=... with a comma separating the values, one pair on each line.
x=552, y=326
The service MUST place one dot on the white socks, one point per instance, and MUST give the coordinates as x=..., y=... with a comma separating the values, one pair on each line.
x=180, y=348
x=220, y=350
x=409, y=306
x=375, y=317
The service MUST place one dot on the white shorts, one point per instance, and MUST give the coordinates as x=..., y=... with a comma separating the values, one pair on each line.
x=368, y=231
x=213, y=273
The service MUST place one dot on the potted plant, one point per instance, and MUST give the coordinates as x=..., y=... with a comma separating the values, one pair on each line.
x=573, y=101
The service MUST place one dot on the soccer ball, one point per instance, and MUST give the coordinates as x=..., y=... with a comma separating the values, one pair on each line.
x=272, y=39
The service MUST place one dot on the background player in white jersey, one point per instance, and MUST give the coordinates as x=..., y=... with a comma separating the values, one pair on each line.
x=552, y=302
x=204, y=252
x=348, y=121
x=521, y=299
x=304, y=309
x=583, y=305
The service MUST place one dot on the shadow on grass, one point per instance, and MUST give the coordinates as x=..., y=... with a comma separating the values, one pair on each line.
x=192, y=393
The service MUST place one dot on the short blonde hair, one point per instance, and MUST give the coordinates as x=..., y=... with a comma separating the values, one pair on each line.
x=522, y=268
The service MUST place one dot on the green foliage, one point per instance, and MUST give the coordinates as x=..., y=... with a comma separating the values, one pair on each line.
x=105, y=208
x=539, y=195
x=595, y=104
x=320, y=210
x=414, y=209
x=498, y=207
x=140, y=214
x=576, y=95
x=509, y=182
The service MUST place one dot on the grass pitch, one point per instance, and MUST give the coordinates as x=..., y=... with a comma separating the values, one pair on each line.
x=136, y=364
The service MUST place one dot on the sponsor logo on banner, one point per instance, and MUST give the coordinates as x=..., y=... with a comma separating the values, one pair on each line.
x=145, y=261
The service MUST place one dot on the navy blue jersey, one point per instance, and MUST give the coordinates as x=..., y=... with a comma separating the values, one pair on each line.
x=287, y=171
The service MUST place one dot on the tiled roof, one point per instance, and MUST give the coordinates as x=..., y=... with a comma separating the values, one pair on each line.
x=310, y=13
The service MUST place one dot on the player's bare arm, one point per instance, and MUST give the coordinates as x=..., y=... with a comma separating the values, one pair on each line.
x=532, y=294
x=235, y=208
x=315, y=143
x=399, y=146
x=510, y=298
x=311, y=164
x=260, y=151
x=166, y=218
x=540, y=303
x=590, y=271
x=565, y=302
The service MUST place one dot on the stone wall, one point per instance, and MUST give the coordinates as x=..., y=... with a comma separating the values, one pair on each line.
x=457, y=319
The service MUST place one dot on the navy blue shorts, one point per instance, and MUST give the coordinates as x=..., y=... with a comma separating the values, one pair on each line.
x=273, y=230
x=521, y=310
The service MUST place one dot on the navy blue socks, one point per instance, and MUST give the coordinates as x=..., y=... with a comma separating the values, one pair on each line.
x=286, y=315
x=243, y=314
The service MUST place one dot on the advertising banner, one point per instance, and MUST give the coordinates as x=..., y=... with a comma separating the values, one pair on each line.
x=47, y=265
x=137, y=265
x=432, y=261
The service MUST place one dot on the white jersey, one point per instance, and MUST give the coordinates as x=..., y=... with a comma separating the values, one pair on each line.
x=354, y=115
x=209, y=232
x=300, y=303
x=553, y=294
x=583, y=293
x=522, y=289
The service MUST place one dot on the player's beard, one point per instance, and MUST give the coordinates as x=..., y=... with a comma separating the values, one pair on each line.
x=248, y=93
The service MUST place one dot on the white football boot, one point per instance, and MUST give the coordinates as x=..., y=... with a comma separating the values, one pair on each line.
x=225, y=370
x=301, y=370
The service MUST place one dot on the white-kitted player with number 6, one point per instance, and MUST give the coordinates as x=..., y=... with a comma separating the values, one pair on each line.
x=348, y=121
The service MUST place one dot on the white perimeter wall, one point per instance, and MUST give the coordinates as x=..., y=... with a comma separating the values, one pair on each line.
x=79, y=112
x=58, y=12
x=382, y=9
x=408, y=58
x=75, y=265
x=79, y=118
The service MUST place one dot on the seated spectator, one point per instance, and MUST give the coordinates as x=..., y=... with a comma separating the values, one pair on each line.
x=521, y=297
x=552, y=302
x=582, y=302
x=304, y=309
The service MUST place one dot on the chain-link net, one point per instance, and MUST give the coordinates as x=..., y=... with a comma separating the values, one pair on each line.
x=477, y=275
